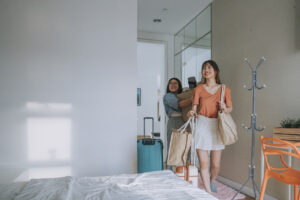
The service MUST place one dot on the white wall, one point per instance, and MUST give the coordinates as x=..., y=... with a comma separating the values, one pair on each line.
x=252, y=29
x=82, y=57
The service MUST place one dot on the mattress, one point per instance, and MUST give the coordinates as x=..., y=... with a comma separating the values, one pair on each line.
x=147, y=186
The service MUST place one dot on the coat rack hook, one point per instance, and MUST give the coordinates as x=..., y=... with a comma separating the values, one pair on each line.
x=249, y=64
x=245, y=86
x=260, y=62
x=262, y=87
x=260, y=128
x=246, y=127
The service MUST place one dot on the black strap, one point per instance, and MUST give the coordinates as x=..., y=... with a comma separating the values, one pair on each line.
x=144, y=140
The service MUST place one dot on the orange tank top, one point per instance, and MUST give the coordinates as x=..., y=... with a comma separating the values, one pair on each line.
x=207, y=102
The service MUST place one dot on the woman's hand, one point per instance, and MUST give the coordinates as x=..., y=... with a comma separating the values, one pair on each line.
x=191, y=113
x=222, y=106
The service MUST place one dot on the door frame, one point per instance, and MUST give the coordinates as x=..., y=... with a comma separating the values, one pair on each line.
x=163, y=120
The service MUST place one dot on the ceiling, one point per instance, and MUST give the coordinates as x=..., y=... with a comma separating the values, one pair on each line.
x=173, y=13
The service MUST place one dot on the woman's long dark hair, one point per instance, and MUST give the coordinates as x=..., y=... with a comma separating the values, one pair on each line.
x=216, y=69
x=179, y=85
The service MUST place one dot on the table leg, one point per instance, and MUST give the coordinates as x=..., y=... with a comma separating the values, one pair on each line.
x=290, y=164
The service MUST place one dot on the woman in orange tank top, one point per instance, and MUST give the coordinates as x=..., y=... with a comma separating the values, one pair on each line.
x=206, y=103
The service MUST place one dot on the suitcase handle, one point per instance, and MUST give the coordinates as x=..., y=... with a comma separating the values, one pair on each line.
x=145, y=125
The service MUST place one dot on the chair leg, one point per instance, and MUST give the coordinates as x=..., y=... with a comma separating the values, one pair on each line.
x=263, y=187
x=296, y=192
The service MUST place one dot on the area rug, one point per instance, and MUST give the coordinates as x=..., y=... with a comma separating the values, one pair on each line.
x=223, y=192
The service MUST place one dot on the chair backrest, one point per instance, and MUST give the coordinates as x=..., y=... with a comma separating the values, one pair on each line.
x=274, y=146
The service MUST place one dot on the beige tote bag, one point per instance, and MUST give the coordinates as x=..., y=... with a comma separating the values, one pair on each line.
x=227, y=127
x=190, y=172
x=181, y=140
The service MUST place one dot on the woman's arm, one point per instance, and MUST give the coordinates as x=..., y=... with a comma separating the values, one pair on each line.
x=224, y=108
x=228, y=109
x=227, y=105
x=184, y=102
x=171, y=100
x=195, y=102
x=194, y=108
x=192, y=112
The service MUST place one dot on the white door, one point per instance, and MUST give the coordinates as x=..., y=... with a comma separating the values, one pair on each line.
x=151, y=65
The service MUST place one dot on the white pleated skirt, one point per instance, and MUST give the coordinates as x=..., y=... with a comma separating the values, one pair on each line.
x=206, y=134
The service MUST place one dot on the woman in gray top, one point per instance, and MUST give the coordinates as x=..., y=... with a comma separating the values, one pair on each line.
x=173, y=107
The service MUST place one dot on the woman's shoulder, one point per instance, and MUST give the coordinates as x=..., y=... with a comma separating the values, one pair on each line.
x=170, y=95
x=227, y=89
x=199, y=87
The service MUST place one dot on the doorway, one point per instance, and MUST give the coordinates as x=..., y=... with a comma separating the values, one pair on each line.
x=151, y=62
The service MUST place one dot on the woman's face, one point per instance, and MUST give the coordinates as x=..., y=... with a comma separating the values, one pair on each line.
x=208, y=71
x=173, y=86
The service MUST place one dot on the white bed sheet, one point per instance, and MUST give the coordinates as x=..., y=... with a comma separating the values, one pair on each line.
x=147, y=186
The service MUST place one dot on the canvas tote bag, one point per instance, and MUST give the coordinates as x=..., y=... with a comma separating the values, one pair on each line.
x=181, y=140
x=227, y=127
x=190, y=172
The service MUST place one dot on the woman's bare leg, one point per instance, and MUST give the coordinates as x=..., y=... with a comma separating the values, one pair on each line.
x=215, y=158
x=204, y=168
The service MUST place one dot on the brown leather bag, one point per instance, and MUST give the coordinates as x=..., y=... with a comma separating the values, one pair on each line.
x=186, y=95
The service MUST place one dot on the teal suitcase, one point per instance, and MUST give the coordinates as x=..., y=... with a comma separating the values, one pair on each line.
x=149, y=152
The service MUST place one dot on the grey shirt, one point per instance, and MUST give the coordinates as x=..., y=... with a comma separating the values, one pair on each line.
x=171, y=103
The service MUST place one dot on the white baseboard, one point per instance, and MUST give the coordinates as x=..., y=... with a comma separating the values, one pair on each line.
x=246, y=190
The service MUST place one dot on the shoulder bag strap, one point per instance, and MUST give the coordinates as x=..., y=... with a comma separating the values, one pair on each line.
x=223, y=92
x=184, y=126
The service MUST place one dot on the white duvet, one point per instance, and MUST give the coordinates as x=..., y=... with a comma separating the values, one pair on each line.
x=146, y=186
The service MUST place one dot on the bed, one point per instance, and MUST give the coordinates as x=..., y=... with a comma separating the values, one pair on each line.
x=147, y=186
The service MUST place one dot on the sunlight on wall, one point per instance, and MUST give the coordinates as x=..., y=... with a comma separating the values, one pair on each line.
x=49, y=139
x=48, y=107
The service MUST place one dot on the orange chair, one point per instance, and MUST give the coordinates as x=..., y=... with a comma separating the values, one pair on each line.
x=286, y=174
